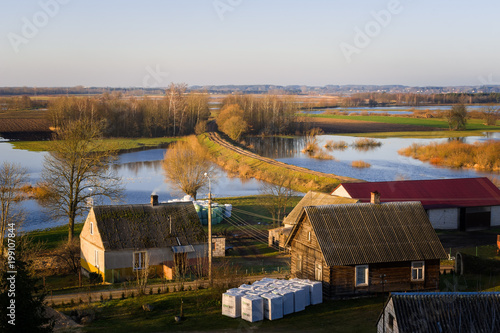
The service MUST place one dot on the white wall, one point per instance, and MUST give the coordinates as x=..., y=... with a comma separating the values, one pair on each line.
x=341, y=192
x=495, y=216
x=384, y=318
x=445, y=218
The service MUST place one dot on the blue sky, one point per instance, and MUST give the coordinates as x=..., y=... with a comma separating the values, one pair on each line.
x=200, y=42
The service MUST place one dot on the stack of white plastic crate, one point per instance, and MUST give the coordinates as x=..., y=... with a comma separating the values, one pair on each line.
x=271, y=298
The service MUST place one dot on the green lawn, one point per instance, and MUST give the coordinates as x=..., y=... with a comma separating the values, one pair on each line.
x=472, y=124
x=120, y=144
x=202, y=312
x=53, y=237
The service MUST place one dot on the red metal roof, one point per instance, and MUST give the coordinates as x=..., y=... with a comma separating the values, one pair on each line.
x=436, y=193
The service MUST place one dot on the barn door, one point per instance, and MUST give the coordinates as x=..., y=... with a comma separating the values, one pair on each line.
x=318, y=272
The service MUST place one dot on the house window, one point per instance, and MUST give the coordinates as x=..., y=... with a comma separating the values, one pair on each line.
x=309, y=236
x=361, y=275
x=318, y=273
x=91, y=228
x=299, y=263
x=417, y=270
x=139, y=260
x=390, y=323
x=96, y=258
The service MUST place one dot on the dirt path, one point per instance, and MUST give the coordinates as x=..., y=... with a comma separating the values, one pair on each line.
x=215, y=137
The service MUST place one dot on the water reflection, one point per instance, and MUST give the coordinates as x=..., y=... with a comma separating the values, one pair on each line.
x=138, y=167
x=275, y=147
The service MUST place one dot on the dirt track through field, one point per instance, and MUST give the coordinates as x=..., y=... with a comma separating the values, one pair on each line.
x=215, y=137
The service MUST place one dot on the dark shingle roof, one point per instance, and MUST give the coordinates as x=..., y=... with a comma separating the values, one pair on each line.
x=435, y=193
x=313, y=198
x=146, y=226
x=352, y=234
x=447, y=312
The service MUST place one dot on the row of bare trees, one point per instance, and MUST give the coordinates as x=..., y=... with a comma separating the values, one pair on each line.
x=268, y=114
x=174, y=114
x=416, y=99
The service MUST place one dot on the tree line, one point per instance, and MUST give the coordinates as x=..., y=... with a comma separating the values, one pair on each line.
x=415, y=99
x=268, y=115
x=176, y=113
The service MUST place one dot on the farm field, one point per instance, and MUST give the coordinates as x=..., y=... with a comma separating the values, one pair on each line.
x=373, y=123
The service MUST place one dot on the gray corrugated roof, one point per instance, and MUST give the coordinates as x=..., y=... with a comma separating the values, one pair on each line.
x=363, y=233
x=447, y=312
x=146, y=226
x=313, y=198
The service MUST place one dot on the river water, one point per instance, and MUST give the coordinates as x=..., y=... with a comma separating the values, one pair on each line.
x=142, y=173
x=386, y=163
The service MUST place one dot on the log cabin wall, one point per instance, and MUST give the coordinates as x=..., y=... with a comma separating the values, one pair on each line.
x=307, y=250
x=383, y=277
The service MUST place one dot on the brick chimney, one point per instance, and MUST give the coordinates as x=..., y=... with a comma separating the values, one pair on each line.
x=154, y=200
x=375, y=198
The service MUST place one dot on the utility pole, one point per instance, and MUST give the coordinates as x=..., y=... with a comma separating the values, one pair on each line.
x=209, y=232
x=210, y=238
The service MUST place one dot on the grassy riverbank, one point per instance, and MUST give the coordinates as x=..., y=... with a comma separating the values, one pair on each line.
x=249, y=167
x=119, y=144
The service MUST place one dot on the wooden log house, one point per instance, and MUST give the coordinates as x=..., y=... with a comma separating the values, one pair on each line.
x=366, y=248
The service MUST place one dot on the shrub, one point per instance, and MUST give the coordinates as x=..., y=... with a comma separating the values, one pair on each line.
x=151, y=291
x=123, y=295
x=341, y=145
x=360, y=164
x=110, y=297
x=159, y=290
x=321, y=155
x=366, y=143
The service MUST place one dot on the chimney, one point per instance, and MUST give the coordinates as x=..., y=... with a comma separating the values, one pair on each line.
x=154, y=200
x=375, y=198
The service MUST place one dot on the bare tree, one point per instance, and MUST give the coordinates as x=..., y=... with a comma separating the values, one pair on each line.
x=276, y=197
x=185, y=165
x=77, y=170
x=12, y=177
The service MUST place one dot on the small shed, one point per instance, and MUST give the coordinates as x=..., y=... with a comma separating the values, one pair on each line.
x=364, y=248
x=440, y=312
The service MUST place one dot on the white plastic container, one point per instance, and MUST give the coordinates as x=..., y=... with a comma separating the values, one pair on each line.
x=288, y=303
x=252, y=308
x=231, y=304
x=273, y=306
x=316, y=289
x=307, y=293
x=299, y=296
x=246, y=287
